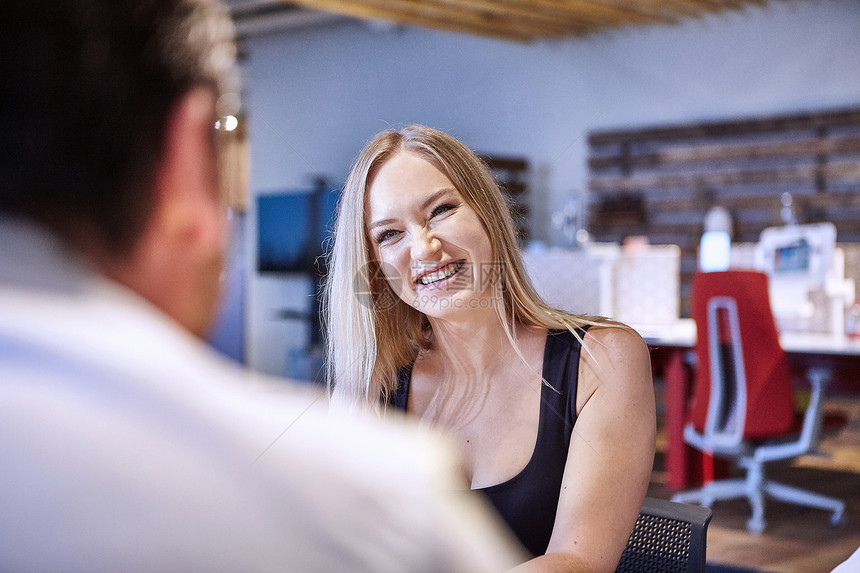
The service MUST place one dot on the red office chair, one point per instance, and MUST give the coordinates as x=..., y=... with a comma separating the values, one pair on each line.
x=743, y=401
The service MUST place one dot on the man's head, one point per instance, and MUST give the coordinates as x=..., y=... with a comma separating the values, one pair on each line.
x=108, y=110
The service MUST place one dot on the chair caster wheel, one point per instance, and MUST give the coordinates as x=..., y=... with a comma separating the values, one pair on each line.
x=755, y=526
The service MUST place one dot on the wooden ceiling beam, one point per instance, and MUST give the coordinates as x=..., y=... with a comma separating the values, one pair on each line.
x=529, y=15
x=375, y=11
x=526, y=20
x=622, y=12
x=658, y=8
x=689, y=8
x=686, y=8
x=599, y=13
x=474, y=18
x=551, y=12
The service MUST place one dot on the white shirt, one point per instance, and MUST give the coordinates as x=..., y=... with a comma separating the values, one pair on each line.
x=127, y=445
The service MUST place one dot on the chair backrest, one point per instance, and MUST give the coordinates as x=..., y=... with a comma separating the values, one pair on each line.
x=668, y=537
x=743, y=383
x=727, y=405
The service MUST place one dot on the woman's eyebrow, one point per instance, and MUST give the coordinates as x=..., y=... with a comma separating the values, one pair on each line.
x=435, y=196
x=426, y=203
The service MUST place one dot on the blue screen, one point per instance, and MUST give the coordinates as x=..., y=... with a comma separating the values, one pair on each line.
x=293, y=230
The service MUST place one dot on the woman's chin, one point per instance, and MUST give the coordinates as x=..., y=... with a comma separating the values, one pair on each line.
x=448, y=304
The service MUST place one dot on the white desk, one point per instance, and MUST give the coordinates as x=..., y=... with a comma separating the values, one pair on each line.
x=672, y=344
x=683, y=334
x=797, y=342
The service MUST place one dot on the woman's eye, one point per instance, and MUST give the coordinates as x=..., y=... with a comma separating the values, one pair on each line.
x=444, y=208
x=385, y=236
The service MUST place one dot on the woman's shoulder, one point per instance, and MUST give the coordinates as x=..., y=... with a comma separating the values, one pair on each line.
x=615, y=353
x=613, y=334
x=607, y=334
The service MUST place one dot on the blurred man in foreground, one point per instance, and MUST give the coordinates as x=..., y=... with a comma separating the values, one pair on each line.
x=126, y=444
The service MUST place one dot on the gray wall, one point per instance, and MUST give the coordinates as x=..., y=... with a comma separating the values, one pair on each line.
x=315, y=95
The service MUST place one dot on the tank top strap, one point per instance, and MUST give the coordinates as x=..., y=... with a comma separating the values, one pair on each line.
x=561, y=373
x=399, y=399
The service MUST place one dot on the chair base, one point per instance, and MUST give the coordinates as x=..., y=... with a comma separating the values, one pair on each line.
x=755, y=493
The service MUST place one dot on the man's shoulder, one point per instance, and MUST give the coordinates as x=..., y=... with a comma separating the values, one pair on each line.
x=225, y=452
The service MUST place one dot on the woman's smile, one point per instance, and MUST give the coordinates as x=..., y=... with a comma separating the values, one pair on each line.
x=438, y=278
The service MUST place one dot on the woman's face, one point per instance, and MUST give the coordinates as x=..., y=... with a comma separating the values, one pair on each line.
x=431, y=245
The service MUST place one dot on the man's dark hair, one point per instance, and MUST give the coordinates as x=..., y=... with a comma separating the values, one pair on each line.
x=88, y=87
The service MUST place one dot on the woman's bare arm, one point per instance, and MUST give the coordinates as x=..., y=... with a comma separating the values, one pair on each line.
x=611, y=455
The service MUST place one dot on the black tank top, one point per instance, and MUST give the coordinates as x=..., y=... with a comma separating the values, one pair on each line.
x=528, y=501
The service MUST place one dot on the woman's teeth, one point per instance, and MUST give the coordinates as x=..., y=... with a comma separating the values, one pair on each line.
x=441, y=274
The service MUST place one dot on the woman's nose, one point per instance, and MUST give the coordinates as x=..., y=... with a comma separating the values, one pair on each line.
x=424, y=245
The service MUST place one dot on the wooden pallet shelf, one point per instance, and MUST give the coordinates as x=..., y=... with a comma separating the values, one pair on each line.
x=511, y=173
x=659, y=182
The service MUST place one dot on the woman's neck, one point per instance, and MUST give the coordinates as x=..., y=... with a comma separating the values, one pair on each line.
x=476, y=344
x=472, y=363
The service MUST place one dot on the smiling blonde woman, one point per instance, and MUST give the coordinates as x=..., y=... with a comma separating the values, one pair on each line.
x=429, y=311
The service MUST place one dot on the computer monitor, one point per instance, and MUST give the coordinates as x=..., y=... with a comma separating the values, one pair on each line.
x=797, y=260
x=799, y=254
x=293, y=229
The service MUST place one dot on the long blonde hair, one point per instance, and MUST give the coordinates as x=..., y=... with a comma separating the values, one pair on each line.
x=371, y=333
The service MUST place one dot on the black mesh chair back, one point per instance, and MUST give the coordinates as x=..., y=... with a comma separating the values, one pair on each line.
x=668, y=537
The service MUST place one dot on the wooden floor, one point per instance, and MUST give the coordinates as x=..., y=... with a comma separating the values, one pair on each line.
x=797, y=539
